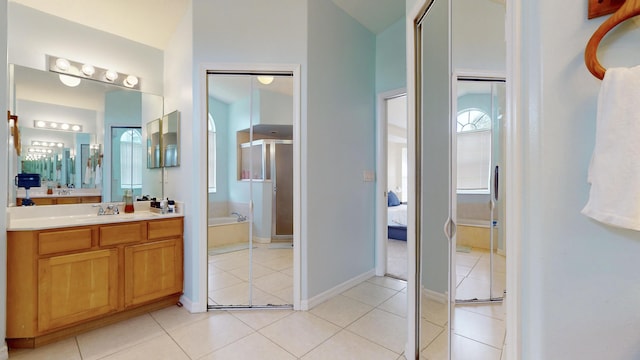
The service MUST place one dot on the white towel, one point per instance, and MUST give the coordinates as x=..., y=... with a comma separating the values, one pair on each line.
x=98, y=174
x=87, y=175
x=614, y=172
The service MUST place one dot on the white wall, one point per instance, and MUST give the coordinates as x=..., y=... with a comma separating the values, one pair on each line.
x=580, y=278
x=478, y=45
x=248, y=31
x=28, y=45
x=3, y=185
x=179, y=181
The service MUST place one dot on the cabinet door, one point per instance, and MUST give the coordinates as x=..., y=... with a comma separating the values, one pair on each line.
x=152, y=270
x=76, y=287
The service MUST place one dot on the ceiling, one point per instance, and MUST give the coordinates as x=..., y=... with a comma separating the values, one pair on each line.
x=153, y=22
x=150, y=22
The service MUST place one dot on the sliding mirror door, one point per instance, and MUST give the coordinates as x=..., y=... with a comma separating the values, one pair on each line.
x=435, y=215
x=250, y=190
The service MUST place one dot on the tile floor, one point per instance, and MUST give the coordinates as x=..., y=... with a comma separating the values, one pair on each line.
x=365, y=322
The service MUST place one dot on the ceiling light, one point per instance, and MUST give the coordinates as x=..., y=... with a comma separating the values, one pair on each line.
x=265, y=80
x=55, y=126
x=70, y=81
x=111, y=75
x=130, y=81
x=63, y=64
x=88, y=69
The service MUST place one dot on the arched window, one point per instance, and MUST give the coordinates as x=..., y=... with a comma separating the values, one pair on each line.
x=131, y=159
x=211, y=152
x=474, y=151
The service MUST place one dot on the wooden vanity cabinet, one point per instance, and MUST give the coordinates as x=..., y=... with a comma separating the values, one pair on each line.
x=61, y=282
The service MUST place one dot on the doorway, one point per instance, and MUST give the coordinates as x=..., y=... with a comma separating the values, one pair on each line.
x=251, y=242
x=392, y=186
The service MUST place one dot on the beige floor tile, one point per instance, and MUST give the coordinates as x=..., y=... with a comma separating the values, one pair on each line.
x=159, y=348
x=254, y=346
x=222, y=280
x=279, y=263
x=288, y=271
x=113, y=338
x=397, y=304
x=233, y=295
x=173, y=317
x=341, y=310
x=257, y=269
x=205, y=336
x=285, y=294
x=62, y=350
x=472, y=288
x=496, y=310
x=468, y=260
x=382, y=328
x=429, y=332
x=299, y=332
x=437, y=349
x=466, y=349
x=462, y=270
x=346, y=345
x=481, y=328
x=394, y=284
x=434, y=311
x=369, y=293
x=273, y=282
x=257, y=319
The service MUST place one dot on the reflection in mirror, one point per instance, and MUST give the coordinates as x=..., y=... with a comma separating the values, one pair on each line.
x=77, y=121
x=153, y=144
x=170, y=139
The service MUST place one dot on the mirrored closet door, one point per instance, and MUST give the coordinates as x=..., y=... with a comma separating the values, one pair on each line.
x=250, y=190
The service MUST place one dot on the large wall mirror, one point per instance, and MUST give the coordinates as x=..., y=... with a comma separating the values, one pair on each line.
x=86, y=139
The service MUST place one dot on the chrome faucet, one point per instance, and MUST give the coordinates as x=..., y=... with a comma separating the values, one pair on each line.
x=241, y=217
x=111, y=209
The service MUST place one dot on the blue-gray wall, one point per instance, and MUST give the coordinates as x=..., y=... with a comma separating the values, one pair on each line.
x=391, y=58
x=340, y=138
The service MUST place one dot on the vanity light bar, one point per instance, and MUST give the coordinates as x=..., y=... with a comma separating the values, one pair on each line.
x=87, y=71
x=37, y=150
x=45, y=143
x=52, y=125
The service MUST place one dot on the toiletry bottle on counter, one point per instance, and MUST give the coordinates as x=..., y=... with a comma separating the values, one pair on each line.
x=128, y=201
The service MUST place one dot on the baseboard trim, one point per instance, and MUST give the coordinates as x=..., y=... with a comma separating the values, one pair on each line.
x=337, y=290
x=4, y=352
x=191, y=306
x=434, y=295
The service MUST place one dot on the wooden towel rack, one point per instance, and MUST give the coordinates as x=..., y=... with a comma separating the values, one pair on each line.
x=628, y=10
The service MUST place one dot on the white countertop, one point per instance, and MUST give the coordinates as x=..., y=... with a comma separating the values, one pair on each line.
x=27, y=218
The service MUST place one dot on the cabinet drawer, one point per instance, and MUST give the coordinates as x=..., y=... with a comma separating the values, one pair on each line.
x=165, y=228
x=64, y=240
x=68, y=200
x=121, y=234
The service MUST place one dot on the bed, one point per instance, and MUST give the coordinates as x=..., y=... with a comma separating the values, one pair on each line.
x=396, y=218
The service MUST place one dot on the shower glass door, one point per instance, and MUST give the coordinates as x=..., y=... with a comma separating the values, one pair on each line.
x=248, y=115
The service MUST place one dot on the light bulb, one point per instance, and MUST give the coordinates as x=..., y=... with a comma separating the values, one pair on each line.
x=88, y=69
x=130, y=81
x=111, y=75
x=265, y=80
x=63, y=64
x=70, y=81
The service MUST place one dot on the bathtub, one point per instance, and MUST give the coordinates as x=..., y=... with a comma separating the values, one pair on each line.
x=225, y=231
x=475, y=233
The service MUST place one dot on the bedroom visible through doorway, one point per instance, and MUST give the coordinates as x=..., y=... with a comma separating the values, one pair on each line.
x=395, y=114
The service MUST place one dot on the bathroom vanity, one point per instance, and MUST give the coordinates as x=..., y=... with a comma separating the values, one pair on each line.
x=69, y=274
